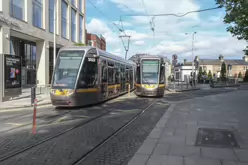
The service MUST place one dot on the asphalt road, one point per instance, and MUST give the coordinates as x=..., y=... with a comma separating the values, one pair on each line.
x=67, y=136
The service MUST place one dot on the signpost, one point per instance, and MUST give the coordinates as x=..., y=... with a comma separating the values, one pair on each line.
x=12, y=76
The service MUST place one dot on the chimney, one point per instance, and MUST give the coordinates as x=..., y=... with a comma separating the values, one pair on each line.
x=221, y=58
x=245, y=58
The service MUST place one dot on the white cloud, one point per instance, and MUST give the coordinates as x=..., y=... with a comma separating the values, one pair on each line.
x=210, y=41
x=93, y=27
x=139, y=43
x=205, y=46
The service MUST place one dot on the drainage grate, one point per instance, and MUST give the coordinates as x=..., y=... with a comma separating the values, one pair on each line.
x=211, y=137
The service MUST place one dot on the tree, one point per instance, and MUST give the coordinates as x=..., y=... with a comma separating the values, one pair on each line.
x=79, y=44
x=240, y=75
x=209, y=74
x=246, y=76
x=223, y=71
x=236, y=16
x=200, y=74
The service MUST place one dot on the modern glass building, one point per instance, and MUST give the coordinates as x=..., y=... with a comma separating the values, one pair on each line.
x=26, y=30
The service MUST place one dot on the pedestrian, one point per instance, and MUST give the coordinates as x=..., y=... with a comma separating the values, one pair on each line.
x=194, y=79
x=190, y=79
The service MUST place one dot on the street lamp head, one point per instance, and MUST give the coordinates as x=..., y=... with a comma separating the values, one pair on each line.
x=195, y=32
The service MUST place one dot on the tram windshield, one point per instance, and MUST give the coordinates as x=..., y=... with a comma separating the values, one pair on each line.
x=150, y=71
x=67, y=67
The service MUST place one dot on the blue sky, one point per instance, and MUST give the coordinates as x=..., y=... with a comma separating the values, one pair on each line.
x=211, y=38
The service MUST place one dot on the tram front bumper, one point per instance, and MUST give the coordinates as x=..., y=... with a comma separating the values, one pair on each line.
x=63, y=101
x=147, y=92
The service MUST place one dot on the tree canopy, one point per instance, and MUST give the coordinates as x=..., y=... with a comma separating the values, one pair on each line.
x=223, y=71
x=237, y=17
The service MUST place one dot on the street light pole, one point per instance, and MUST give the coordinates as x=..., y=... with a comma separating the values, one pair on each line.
x=54, y=34
x=193, y=38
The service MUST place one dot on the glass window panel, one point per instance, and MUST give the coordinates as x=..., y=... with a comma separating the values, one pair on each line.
x=67, y=68
x=73, y=25
x=17, y=9
x=51, y=16
x=80, y=6
x=37, y=13
x=73, y=2
x=64, y=19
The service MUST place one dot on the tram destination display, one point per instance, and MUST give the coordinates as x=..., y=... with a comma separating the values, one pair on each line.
x=12, y=72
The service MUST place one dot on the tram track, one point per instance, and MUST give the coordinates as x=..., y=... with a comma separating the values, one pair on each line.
x=30, y=124
x=28, y=147
x=90, y=152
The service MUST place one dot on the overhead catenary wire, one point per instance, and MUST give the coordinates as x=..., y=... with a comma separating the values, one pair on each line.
x=115, y=25
x=121, y=30
x=171, y=14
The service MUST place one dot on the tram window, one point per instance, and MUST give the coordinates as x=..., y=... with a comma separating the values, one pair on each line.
x=110, y=75
x=138, y=75
x=131, y=76
x=104, y=72
x=67, y=67
x=117, y=73
x=126, y=75
x=88, y=75
x=162, y=75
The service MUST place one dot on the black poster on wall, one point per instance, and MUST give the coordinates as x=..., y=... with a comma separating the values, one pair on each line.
x=12, y=71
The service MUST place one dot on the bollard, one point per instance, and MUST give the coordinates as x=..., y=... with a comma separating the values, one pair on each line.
x=34, y=117
x=128, y=89
x=33, y=95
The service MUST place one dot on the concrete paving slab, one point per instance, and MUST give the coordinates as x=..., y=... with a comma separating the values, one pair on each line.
x=242, y=154
x=233, y=163
x=148, y=146
x=156, y=133
x=162, y=149
x=185, y=151
x=200, y=161
x=218, y=153
x=139, y=159
x=165, y=160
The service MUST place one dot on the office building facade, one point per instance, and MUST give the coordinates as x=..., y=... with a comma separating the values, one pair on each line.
x=27, y=30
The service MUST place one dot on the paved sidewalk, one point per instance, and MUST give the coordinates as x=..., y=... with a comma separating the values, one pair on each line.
x=183, y=87
x=43, y=99
x=172, y=141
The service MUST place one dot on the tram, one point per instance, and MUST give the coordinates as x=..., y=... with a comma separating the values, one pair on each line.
x=86, y=75
x=150, y=76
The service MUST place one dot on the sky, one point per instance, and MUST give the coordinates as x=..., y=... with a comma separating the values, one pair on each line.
x=211, y=38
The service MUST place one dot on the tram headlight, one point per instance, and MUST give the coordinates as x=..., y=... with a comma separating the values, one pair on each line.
x=69, y=92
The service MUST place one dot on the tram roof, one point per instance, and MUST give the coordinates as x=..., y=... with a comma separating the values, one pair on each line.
x=100, y=52
x=150, y=57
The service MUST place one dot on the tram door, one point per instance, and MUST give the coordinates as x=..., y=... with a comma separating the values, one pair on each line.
x=123, y=80
x=104, y=80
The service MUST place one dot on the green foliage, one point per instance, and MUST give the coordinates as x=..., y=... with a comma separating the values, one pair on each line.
x=236, y=16
x=246, y=76
x=240, y=75
x=79, y=44
x=209, y=74
x=223, y=71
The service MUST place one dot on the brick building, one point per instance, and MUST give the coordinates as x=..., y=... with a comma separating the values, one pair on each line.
x=214, y=65
x=96, y=41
